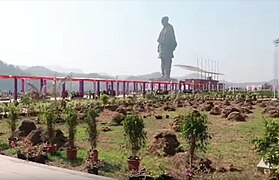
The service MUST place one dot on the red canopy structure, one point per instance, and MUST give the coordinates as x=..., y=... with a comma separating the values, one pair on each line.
x=168, y=85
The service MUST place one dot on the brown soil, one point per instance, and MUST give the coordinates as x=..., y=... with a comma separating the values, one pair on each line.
x=164, y=143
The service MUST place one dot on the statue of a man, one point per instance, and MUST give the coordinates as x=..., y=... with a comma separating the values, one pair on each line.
x=167, y=44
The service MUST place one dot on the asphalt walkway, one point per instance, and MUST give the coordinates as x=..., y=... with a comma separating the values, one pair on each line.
x=17, y=169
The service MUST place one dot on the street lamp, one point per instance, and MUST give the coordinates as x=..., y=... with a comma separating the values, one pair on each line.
x=275, y=85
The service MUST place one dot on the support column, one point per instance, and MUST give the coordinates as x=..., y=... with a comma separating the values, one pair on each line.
x=172, y=86
x=143, y=89
x=184, y=87
x=45, y=87
x=112, y=88
x=15, y=89
x=63, y=91
x=81, y=88
x=98, y=89
x=117, y=88
x=23, y=85
x=41, y=85
x=134, y=86
x=94, y=88
x=152, y=86
x=107, y=88
x=128, y=88
x=124, y=89
x=159, y=87
x=165, y=87
x=137, y=88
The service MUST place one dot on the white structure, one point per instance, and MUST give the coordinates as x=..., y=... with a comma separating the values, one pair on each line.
x=235, y=89
x=254, y=88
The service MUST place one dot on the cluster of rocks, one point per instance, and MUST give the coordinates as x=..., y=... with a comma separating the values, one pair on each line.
x=180, y=162
x=164, y=143
x=117, y=119
x=236, y=112
x=175, y=124
x=271, y=108
x=29, y=132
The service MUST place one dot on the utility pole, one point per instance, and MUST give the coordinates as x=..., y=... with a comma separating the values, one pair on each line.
x=275, y=85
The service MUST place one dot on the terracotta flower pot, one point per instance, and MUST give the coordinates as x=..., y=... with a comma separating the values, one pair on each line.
x=133, y=164
x=72, y=153
x=13, y=141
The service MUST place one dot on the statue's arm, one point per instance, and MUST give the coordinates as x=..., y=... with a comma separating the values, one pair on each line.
x=172, y=39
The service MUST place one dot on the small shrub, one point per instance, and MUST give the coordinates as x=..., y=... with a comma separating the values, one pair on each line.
x=134, y=133
x=91, y=121
x=13, y=117
x=194, y=128
x=104, y=98
x=26, y=100
x=49, y=118
x=71, y=120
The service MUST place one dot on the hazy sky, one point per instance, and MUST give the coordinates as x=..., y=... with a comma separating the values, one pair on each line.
x=119, y=37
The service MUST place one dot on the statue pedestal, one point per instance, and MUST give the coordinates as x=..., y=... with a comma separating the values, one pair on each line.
x=164, y=79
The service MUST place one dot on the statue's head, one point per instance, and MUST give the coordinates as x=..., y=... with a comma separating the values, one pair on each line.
x=165, y=20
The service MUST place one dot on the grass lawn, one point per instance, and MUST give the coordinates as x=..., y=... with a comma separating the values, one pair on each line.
x=230, y=144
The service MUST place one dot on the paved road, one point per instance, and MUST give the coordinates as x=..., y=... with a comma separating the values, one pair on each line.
x=16, y=169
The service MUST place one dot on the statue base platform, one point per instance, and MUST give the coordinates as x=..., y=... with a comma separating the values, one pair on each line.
x=164, y=79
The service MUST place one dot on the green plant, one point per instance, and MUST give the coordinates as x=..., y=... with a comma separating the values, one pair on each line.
x=91, y=121
x=63, y=104
x=26, y=150
x=13, y=117
x=134, y=133
x=268, y=144
x=104, y=98
x=112, y=101
x=26, y=100
x=71, y=120
x=194, y=128
x=150, y=96
x=49, y=117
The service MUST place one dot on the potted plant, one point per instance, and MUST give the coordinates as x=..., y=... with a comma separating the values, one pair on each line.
x=267, y=146
x=71, y=120
x=27, y=151
x=135, y=137
x=92, y=160
x=13, y=117
x=49, y=117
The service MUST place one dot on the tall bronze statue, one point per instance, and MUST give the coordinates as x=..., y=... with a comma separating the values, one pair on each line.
x=167, y=44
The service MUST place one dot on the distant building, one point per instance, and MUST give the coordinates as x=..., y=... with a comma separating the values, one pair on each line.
x=264, y=87
x=267, y=87
x=235, y=89
x=254, y=88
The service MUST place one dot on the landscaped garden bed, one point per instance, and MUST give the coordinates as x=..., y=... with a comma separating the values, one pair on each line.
x=102, y=136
